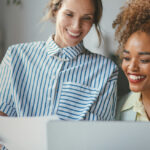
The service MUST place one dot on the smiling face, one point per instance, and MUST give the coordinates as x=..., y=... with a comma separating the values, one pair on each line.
x=74, y=19
x=136, y=61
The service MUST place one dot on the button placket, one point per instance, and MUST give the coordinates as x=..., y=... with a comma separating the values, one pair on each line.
x=55, y=80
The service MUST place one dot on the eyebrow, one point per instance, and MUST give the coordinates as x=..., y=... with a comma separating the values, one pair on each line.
x=144, y=53
x=140, y=53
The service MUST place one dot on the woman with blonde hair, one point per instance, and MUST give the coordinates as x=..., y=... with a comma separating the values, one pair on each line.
x=60, y=76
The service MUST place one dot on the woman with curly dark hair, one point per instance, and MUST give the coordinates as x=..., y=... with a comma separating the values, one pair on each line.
x=133, y=34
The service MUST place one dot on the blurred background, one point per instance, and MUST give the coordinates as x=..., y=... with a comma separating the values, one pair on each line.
x=22, y=23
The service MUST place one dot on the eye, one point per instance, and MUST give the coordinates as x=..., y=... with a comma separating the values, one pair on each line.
x=69, y=14
x=87, y=18
x=126, y=58
x=145, y=60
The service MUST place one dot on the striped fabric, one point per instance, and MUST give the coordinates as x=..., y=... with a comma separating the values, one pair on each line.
x=42, y=79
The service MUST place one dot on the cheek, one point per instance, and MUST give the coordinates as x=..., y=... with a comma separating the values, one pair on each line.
x=89, y=24
x=145, y=69
x=61, y=20
x=61, y=25
x=124, y=66
x=86, y=27
x=64, y=20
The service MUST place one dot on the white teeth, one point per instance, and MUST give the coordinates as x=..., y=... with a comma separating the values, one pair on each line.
x=134, y=77
x=73, y=34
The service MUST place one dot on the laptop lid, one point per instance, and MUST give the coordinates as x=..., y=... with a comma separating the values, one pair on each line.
x=44, y=133
x=98, y=135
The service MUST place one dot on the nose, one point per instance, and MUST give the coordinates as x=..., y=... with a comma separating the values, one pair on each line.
x=133, y=65
x=76, y=24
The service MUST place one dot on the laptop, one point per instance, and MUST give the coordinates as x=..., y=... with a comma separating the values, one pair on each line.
x=45, y=133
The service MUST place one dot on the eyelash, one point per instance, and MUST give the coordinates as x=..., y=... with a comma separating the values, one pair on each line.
x=142, y=60
x=145, y=61
x=126, y=58
x=70, y=15
x=84, y=18
x=87, y=18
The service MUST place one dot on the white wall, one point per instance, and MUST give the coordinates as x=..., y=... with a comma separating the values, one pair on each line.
x=1, y=50
x=22, y=24
x=109, y=45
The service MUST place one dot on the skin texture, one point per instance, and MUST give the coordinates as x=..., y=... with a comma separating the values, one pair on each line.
x=136, y=65
x=73, y=21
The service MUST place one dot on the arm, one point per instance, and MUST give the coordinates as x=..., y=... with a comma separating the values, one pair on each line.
x=2, y=114
x=6, y=98
x=105, y=107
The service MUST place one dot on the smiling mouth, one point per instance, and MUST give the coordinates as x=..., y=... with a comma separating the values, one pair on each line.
x=136, y=78
x=74, y=34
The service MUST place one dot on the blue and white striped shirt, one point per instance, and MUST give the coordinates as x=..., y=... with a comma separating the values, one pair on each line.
x=42, y=79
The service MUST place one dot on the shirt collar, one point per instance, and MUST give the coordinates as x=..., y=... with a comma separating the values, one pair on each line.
x=139, y=107
x=70, y=52
x=134, y=102
x=131, y=101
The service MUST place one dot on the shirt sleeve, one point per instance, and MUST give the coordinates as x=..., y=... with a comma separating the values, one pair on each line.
x=105, y=107
x=6, y=96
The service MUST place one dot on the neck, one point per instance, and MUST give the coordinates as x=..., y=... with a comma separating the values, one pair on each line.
x=146, y=96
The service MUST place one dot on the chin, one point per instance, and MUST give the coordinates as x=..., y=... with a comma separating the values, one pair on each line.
x=135, y=89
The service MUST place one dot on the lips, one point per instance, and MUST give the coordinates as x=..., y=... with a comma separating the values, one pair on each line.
x=75, y=35
x=136, y=78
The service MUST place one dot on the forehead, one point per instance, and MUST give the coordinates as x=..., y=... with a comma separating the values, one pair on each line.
x=84, y=6
x=138, y=42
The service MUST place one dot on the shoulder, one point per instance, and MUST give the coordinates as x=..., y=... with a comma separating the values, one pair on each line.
x=107, y=66
x=23, y=51
x=102, y=61
x=24, y=47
